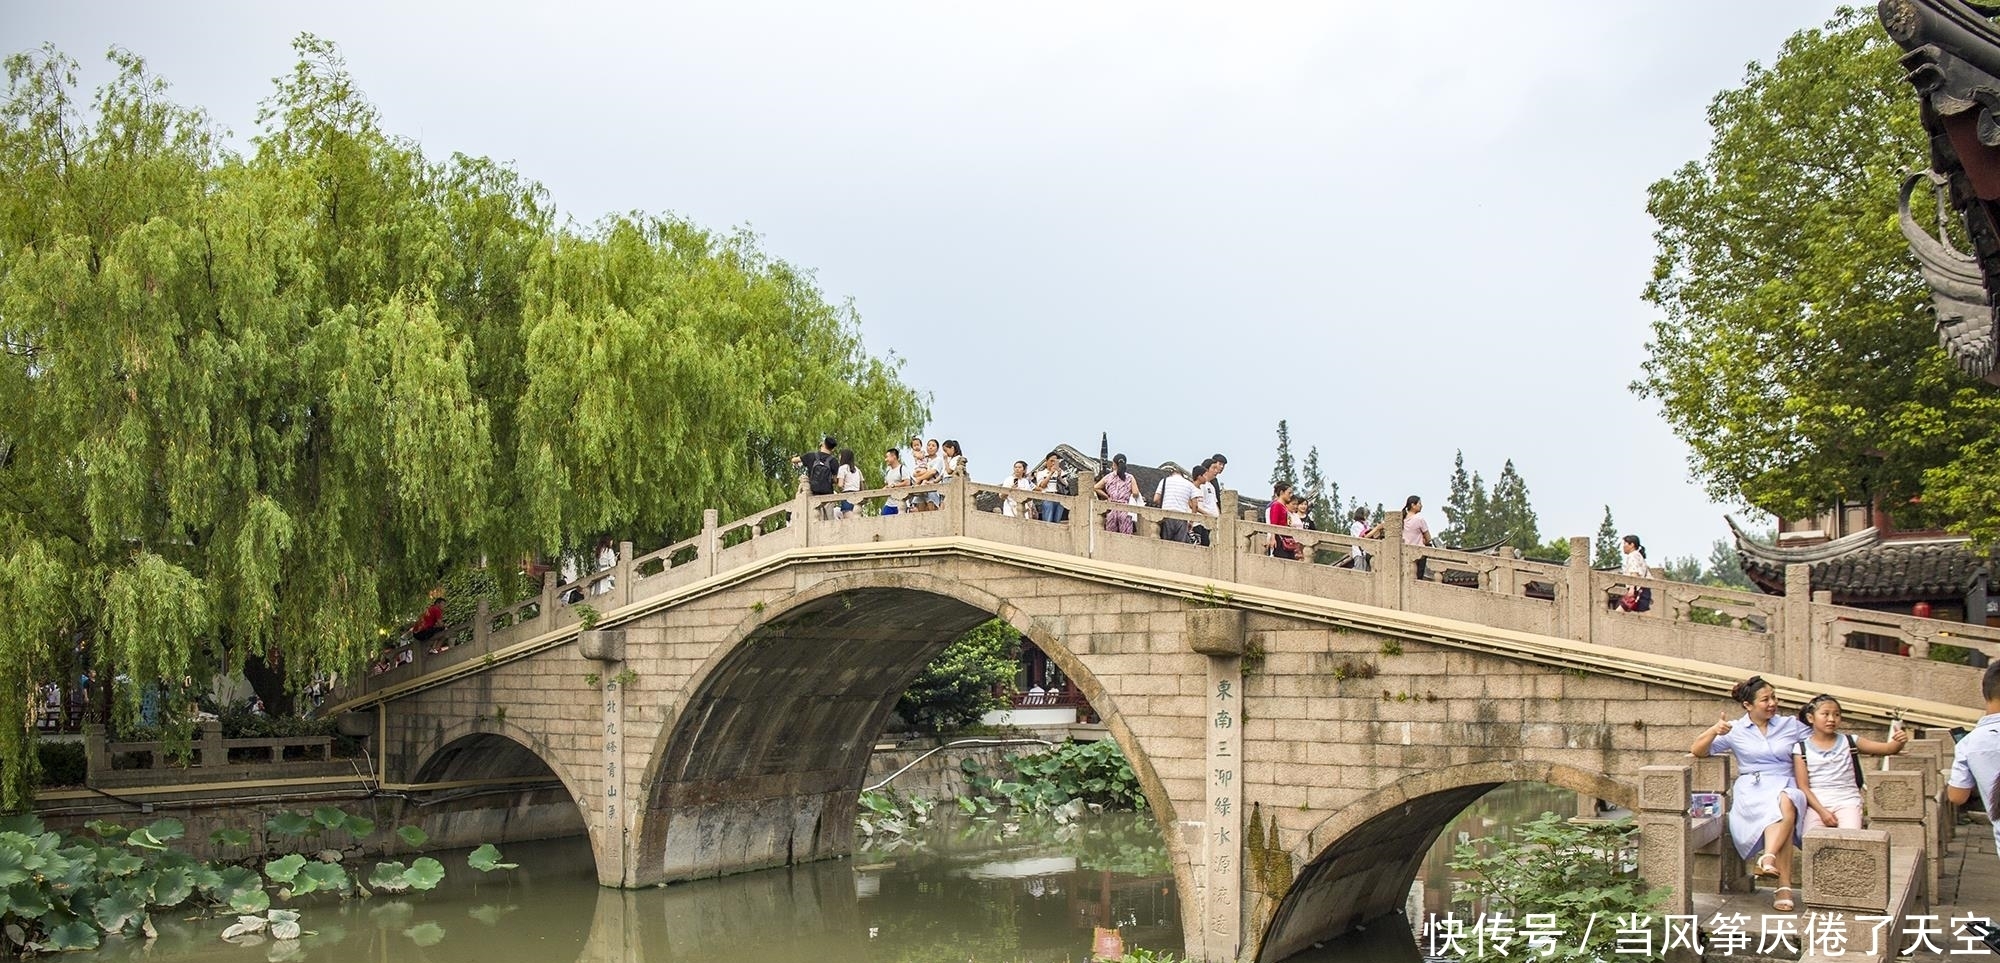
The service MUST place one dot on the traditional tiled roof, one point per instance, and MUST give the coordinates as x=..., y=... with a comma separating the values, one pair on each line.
x=1953, y=60
x=1864, y=567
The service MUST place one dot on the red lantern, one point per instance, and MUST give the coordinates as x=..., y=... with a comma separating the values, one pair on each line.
x=1921, y=610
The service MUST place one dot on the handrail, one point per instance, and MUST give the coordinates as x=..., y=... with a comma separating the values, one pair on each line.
x=1785, y=631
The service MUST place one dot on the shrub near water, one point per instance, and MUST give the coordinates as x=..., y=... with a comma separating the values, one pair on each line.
x=1092, y=773
x=1575, y=873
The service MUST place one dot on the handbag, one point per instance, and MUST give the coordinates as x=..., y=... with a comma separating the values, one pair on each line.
x=1630, y=600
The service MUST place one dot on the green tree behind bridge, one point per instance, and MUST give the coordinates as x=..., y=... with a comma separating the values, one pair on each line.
x=1795, y=352
x=253, y=405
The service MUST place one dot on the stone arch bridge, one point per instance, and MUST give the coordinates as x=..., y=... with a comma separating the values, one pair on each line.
x=1302, y=729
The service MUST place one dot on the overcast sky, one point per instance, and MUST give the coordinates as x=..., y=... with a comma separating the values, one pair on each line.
x=1408, y=228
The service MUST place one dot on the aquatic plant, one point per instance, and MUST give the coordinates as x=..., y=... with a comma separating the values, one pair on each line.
x=1574, y=873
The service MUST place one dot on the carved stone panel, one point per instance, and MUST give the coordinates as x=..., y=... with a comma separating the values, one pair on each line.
x=1847, y=869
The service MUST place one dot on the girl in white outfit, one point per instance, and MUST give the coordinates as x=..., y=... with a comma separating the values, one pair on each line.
x=1827, y=765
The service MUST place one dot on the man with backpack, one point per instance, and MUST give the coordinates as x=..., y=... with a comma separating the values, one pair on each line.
x=820, y=467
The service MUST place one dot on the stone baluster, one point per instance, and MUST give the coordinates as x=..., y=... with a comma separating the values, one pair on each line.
x=957, y=503
x=545, y=619
x=711, y=539
x=1797, y=634
x=622, y=574
x=482, y=623
x=1225, y=541
x=1083, y=521
x=96, y=753
x=801, y=515
x=1576, y=599
x=1391, y=570
x=1665, y=859
x=1846, y=869
x=212, y=751
x=1899, y=806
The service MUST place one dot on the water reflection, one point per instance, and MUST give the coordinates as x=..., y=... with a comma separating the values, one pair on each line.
x=987, y=892
x=964, y=892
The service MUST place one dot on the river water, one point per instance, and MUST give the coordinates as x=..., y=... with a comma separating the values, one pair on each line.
x=976, y=891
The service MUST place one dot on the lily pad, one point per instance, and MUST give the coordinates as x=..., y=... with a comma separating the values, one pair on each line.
x=284, y=869
x=144, y=839
x=290, y=823
x=250, y=901
x=166, y=829
x=487, y=859
x=106, y=829
x=286, y=930
x=18, y=859
x=324, y=876
x=172, y=886
x=27, y=901
x=117, y=911
x=425, y=873
x=388, y=877
x=24, y=823
x=73, y=935
x=330, y=817
x=230, y=837
x=412, y=836
x=358, y=826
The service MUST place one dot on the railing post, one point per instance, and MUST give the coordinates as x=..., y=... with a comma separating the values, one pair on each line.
x=622, y=572
x=802, y=512
x=1798, y=622
x=1576, y=601
x=1083, y=517
x=1899, y=804
x=711, y=539
x=96, y=755
x=212, y=751
x=1665, y=859
x=1390, y=575
x=545, y=619
x=482, y=623
x=957, y=501
x=1224, y=540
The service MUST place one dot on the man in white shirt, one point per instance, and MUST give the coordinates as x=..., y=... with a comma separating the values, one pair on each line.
x=1975, y=763
x=1207, y=499
x=895, y=474
x=1177, y=494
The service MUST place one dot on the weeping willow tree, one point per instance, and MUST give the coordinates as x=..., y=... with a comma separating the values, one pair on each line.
x=252, y=405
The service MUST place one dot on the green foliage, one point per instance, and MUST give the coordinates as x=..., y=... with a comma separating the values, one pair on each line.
x=114, y=879
x=1795, y=353
x=885, y=813
x=1475, y=517
x=253, y=404
x=487, y=859
x=412, y=836
x=1574, y=871
x=963, y=682
x=61, y=763
x=1073, y=774
x=1322, y=495
x=1604, y=549
x=1282, y=467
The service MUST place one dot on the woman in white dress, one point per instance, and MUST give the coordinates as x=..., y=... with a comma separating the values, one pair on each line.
x=1765, y=803
x=1011, y=505
x=846, y=479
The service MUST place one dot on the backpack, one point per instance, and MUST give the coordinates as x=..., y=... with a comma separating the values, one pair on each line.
x=1853, y=755
x=819, y=473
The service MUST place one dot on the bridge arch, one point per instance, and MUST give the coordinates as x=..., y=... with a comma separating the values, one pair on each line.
x=465, y=756
x=1360, y=862
x=827, y=663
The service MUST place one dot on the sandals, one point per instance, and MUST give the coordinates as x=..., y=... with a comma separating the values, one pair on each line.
x=1767, y=867
x=1783, y=903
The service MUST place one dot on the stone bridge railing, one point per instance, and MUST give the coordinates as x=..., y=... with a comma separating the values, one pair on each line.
x=1800, y=634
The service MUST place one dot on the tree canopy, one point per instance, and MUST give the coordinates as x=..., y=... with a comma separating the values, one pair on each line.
x=1795, y=353
x=253, y=404
x=1475, y=517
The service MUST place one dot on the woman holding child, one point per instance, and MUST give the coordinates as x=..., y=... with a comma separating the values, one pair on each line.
x=1766, y=802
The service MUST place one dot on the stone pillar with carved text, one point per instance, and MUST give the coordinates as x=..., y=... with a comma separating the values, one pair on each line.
x=1219, y=634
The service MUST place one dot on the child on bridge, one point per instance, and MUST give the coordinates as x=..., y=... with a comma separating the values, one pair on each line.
x=1827, y=765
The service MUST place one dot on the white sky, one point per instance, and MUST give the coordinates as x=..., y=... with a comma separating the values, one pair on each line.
x=1408, y=228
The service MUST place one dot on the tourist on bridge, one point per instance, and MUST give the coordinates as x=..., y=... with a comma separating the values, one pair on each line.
x=1020, y=482
x=821, y=468
x=1279, y=512
x=1048, y=480
x=1827, y=765
x=1208, y=490
x=1122, y=488
x=1632, y=563
x=895, y=474
x=1765, y=804
x=1359, y=528
x=847, y=478
x=1975, y=763
x=1176, y=493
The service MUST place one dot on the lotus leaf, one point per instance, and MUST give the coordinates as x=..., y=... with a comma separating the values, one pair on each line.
x=285, y=868
x=289, y=823
x=18, y=859
x=287, y=930
x=117, y=911
x=250, y=901
x=122, y=864
x=232, y=880
x=425, y=873
x=173, y=886
x=284, y=916
x=24, y=823
x=27, y=901
x=73, y=935
x=144, y=839
x=486, y=859
x=425, y=934
x=489, y=913
x=359, y=826
x=388, y=877
x=168, y=828
x=324, y=876
x=244, y=926
x=412, y=836
x=230, y=837
x=105, y=829
x=330, y=817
